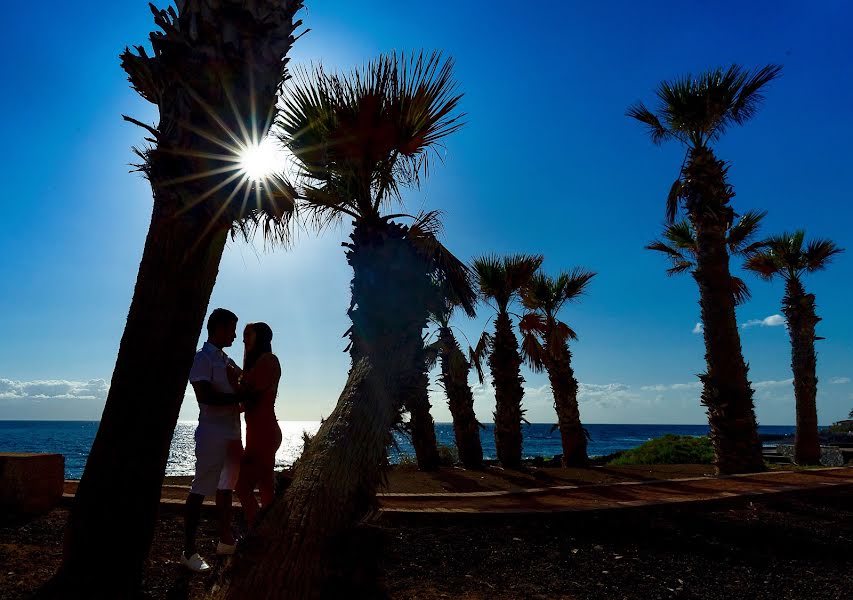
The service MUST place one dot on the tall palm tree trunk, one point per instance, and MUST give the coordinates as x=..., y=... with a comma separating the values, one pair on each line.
x=421, y=425
x=460, y=401
x=311, y=543
x=505, y=366
x=389, y=272
x=114, y=514
x=799, y=308
x=727, y=393
x=216, y=68
x=565, y=389
x=307, y=545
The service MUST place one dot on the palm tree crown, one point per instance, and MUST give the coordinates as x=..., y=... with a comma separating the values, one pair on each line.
x=358, y=137
x=500, y=278
x=786, y=255
x=680, y=247
x=544, y=296
x=698, y=110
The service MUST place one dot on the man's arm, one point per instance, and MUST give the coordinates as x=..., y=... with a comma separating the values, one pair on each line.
x=205, y=394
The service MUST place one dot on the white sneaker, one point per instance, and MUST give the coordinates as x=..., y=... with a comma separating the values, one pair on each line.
x=194, y=563
x=223, y=549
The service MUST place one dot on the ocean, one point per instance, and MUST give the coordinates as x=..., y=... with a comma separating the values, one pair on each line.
x=74, y=438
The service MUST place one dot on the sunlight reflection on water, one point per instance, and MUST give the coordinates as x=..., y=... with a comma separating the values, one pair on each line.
x=182, y=452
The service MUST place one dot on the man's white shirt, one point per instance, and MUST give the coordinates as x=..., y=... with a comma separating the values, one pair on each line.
x=211, y=364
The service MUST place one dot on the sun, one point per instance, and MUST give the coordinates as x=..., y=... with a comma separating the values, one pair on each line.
x=260, y=161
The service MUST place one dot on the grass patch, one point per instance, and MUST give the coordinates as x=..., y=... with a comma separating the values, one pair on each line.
x=669, y=450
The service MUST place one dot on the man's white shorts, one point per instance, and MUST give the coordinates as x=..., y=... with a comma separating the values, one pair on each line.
x=217, y=462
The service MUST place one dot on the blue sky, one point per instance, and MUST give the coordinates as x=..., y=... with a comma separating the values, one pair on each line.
x=547, y=163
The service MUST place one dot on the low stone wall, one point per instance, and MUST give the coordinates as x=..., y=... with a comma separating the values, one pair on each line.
x=830, y=456
x=30, y=484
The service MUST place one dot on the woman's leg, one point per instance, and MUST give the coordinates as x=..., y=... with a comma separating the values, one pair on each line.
x=266, y=483
x=266, y=476
x=246, y=488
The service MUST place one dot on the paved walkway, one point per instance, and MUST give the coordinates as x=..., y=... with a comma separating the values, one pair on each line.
x=618, y=495
x=584, y=497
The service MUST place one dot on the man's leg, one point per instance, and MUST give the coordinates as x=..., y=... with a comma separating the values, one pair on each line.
x=192, y=514
x=223, y=508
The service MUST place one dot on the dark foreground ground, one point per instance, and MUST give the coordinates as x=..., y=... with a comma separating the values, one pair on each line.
x=794, y=547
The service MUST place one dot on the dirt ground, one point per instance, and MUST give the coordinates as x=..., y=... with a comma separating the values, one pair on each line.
x=777, y=548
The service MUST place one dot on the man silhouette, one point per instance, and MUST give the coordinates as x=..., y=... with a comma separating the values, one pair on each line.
x=218, y=445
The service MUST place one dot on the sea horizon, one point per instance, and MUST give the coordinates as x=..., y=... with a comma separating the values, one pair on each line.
x=73, y=439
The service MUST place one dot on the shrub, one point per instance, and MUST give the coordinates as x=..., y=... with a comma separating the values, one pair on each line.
x=406, y=460
x=447, y=456
x=670, y=450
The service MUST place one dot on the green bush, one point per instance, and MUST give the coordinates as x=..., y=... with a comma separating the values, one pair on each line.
x=670, y=450
x=447, y=455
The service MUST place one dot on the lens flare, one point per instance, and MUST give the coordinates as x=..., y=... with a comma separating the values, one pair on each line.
x=260, y=161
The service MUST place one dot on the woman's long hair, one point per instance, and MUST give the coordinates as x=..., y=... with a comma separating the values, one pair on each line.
x=263, y=344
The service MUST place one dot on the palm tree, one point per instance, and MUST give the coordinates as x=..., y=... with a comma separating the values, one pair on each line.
x=358, y=139
x=678, y=243
x=787, y=256
x=500, y=279
x=696, y=111
x=214, y=75
x=454, y=379
x=545, y=345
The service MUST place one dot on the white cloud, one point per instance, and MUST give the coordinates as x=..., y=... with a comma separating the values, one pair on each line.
x=771, y=321
x=698, y=328
x=839, y=380
x=94, y=389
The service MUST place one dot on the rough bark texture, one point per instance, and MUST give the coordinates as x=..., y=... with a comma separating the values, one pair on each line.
x=460, y=400
x=311, y=543
x=727, y=393
x=558, y=362
x=120, y=487
x=421, y=425
x=505, y=366
x=390, y=299
x=214, y=73
x=799, y=308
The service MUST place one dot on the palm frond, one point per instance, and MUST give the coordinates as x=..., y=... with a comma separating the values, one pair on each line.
x=431, y=353
x=742, y=234
x=740, y=291
x=749, y=96
x=657, y=131
x=478, y=355
x=531, y=348
x=763, y=264
x=819, y=253
x=672, y=200
x=454, y=277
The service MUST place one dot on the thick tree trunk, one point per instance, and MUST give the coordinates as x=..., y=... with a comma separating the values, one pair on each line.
x=727, y=393
x=505, y=365
x=310, y=544
x=460, y=401
x=307, y=546
x=565, y=389
x=112, y=521
x=799, y=308
x=389, y=311
x=421, y=425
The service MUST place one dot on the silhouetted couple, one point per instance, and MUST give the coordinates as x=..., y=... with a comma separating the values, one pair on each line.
x=223, y=391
